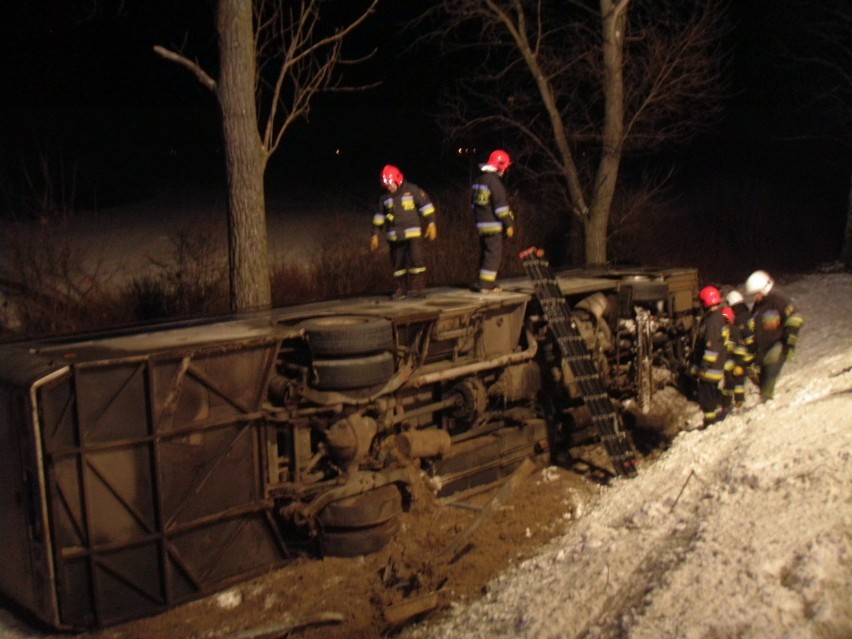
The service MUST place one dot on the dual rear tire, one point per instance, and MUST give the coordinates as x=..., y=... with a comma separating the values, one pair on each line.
x=350, y=351
x=361, y=524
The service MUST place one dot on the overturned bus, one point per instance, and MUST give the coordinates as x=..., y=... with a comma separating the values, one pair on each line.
x=148, y=467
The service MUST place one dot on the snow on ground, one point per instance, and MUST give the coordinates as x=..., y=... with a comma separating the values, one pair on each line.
x=741, y=530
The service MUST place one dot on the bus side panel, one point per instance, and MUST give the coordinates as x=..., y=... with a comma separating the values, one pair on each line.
x=154, y=480
x=25, y=578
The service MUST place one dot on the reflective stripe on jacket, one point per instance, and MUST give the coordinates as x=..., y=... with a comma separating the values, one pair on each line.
x=490, y=204
x=400, y=213
x=711, y=347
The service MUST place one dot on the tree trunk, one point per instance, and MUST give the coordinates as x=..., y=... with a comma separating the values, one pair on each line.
x=613, y=14
x=245, y=158
x=595, y=227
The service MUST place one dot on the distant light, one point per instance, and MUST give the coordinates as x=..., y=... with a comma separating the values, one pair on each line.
x=337, y=151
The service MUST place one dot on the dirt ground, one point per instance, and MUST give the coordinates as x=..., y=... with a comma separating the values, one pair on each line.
x=418, y=566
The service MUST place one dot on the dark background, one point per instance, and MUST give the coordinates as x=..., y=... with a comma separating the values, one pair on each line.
x=82, y=87
x=87, y=87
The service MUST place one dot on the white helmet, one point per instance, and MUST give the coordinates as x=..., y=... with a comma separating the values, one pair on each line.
x=759, y=282
x=733, y=298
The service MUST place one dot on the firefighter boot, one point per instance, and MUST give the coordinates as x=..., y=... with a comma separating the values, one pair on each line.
x=400, y=290
x=416, y=284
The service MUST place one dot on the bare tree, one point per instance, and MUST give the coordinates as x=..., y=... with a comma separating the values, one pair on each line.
x=580, y=84
x=275, y=57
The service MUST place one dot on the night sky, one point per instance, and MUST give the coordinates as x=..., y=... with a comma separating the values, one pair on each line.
x=81, y=82
x=89, y=88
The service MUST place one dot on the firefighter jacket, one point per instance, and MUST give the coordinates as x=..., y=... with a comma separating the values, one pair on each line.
x=742, y=322
x=774, y=319
x=711, y=346
x=739, y=356
x=741, y=338
x=400, y=213
x=490, y=204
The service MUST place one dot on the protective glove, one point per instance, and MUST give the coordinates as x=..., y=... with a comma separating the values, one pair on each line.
x=510, y=232
x=374, y=242
x=431, y=231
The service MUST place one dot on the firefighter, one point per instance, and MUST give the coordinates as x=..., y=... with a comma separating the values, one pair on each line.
x=775, y=323
x=742, y=340
x=711, y=348
x=494, y=218
x=742, y=316
x=402, y=213
x=739, y=357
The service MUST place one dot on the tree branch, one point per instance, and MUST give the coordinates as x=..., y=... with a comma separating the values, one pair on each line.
x=306, y=63
x=188, y=64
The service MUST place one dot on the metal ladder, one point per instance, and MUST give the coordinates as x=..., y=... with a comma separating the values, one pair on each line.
x=573, y=351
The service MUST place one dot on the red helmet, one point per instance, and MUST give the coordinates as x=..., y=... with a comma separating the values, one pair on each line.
x=728, y=312
x=710, y=296
x=391, y=174
x=499, y=159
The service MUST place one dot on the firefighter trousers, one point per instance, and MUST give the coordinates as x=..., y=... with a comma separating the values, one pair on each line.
x=491, y=253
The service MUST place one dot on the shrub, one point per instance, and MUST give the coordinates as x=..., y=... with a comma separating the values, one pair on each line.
x=191, y=283
x=52, y=286
x=346, y=266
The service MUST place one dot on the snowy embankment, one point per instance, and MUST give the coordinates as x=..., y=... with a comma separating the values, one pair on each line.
x=740, y=530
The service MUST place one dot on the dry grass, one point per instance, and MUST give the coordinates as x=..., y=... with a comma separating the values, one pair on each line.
x=191, y=282
x=51, y=286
